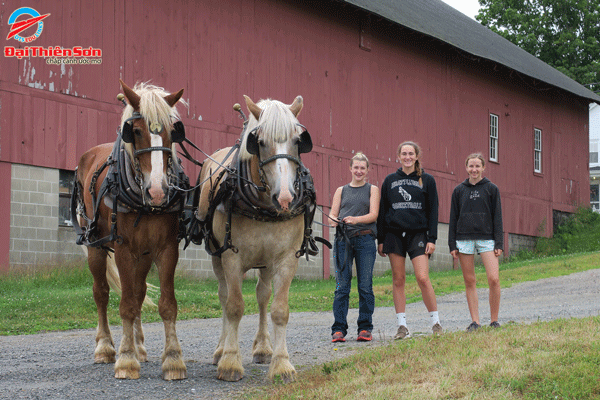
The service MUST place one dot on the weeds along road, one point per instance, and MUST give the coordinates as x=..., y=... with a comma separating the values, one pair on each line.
x=59, y=365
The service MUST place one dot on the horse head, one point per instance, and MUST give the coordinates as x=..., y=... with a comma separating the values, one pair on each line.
x=273, y=144
x=150, y=130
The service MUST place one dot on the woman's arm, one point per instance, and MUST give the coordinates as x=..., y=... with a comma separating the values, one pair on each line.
x=335, y=207
x=382, y=211
x=433, y=211
x=454, y=214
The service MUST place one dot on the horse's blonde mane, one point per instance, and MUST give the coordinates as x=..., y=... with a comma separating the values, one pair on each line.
x=277, y=125
x=153, y=107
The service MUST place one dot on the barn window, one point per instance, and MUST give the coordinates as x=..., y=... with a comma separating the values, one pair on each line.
x=493, y=137
x=595, y=197
x=537, y=150
x=593, y=151
x=65, y=188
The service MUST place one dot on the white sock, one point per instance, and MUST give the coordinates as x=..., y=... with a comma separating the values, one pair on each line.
x=435, y=319
x=401, y=318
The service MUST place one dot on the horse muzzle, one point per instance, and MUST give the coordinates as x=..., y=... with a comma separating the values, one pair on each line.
x=156, y=195
x=285, y=203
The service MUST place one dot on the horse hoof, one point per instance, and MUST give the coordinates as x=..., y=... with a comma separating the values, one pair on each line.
x=230, y=376
x=174, y=368
x=216, y=360
x=282, y=369
x=127, y=374
x=261, y=358
x=175, y=375
x=104, y=359
x=286, y=378
x=142, y=355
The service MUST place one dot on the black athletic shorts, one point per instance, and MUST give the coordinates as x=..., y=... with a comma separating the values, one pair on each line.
x=412, y=243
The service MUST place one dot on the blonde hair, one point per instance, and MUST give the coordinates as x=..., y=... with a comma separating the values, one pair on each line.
x=359, y=156
x=417, y=152
x=475, y=155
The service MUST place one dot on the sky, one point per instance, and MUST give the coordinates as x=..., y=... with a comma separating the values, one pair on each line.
x=468, y=7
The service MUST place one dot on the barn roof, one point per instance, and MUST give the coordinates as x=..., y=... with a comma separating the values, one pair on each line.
x=438, y=20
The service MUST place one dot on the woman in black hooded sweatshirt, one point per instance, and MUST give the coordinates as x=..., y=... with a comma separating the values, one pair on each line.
x=476, y=226
x=407, y=223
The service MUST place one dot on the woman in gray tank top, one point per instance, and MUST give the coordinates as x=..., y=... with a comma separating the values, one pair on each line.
x=355, y=206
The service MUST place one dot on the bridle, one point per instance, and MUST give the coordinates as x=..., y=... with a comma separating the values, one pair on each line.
x=155, y=129
x=235, y=196
x=177, y=136
x=304, y=146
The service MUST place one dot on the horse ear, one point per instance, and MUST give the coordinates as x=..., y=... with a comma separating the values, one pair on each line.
x=132, y=97
x=252, y=143
x=296, y=106
x=305, y=143
x=178, y=133
x=173, y=98
x=253, y=108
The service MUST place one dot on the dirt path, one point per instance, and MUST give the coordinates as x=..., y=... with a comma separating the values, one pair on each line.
x=60, y=365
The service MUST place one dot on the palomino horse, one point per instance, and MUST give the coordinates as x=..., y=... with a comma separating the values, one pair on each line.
x=258, y=222
x=125, y=204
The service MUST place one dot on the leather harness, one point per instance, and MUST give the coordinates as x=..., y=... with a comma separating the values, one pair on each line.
x=121, y=191
x=239, y=195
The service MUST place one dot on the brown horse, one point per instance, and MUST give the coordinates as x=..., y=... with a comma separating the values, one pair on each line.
x=126, y=204
x=261, y=225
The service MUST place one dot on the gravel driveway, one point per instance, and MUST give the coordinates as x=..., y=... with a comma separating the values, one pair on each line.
x=59, y=365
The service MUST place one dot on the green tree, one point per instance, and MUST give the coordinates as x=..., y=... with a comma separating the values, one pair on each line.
x=563, y=33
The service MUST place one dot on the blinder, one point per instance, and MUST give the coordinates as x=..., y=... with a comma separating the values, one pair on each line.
x=252, y=142
x=127, y=130
x=178, y=133
x=305, y=144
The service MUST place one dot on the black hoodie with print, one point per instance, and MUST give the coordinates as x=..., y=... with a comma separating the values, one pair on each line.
x=409, y=203
x=476, y=214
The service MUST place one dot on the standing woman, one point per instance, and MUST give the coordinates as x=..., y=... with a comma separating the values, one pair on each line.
x=476, y=225
x=407, y=223
x=355, y=206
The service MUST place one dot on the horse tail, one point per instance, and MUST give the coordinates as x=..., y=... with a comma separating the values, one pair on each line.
x=114, y=281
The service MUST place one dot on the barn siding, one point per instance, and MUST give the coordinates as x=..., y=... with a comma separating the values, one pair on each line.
x=399, y=85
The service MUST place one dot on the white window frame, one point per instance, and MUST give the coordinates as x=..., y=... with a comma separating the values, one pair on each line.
x=594, y=151
x=65, y=189
x=594, y=202
x=537, y=150
x=493, y=137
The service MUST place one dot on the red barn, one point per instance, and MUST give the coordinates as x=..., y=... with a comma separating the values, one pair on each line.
x=373, y=73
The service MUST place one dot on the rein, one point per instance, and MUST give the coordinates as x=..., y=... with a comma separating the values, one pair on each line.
x=236, y=197
x=118, y=193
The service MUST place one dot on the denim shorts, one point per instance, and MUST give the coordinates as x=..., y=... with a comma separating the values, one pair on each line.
x=470, y=246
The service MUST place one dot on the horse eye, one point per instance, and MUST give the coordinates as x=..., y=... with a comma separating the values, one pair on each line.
x=261, y=143
x=137, y=131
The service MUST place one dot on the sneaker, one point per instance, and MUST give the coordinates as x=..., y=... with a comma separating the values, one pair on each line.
x=338, y=337
x=364, y=336
x=495, y=324
x=474, y=326
x=437, y=328
x=402, y=333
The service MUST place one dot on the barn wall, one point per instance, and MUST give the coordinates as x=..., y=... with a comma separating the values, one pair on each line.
x=367, y=86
